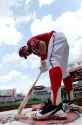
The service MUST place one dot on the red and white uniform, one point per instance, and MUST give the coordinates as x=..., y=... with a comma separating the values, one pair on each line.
x=57, y=53
x=34, y=43
x=57, y=48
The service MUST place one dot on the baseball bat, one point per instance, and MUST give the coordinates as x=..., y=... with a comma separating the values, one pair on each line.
x=24, y=102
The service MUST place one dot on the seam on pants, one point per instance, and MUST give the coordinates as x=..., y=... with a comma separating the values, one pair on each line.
x=52, y=49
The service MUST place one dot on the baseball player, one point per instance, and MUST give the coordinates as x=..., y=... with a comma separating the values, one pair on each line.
x=53, y=50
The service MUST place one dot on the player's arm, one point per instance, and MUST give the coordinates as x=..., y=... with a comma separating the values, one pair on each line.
x=43, y=55
x=42, y=50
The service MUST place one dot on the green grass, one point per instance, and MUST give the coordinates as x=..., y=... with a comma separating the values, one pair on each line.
x=7, y=104
x=34, y=101
x=16, y=103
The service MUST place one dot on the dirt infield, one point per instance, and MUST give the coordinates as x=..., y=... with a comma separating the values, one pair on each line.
x=71, y=116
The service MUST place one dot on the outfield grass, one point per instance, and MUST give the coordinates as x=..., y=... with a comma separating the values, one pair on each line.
x=15, y=104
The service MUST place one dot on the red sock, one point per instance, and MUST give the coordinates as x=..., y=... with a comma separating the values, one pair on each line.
x=55, y=74
x=68, y=85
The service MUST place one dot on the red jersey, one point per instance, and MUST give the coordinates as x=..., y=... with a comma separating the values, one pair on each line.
x=34, y=42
